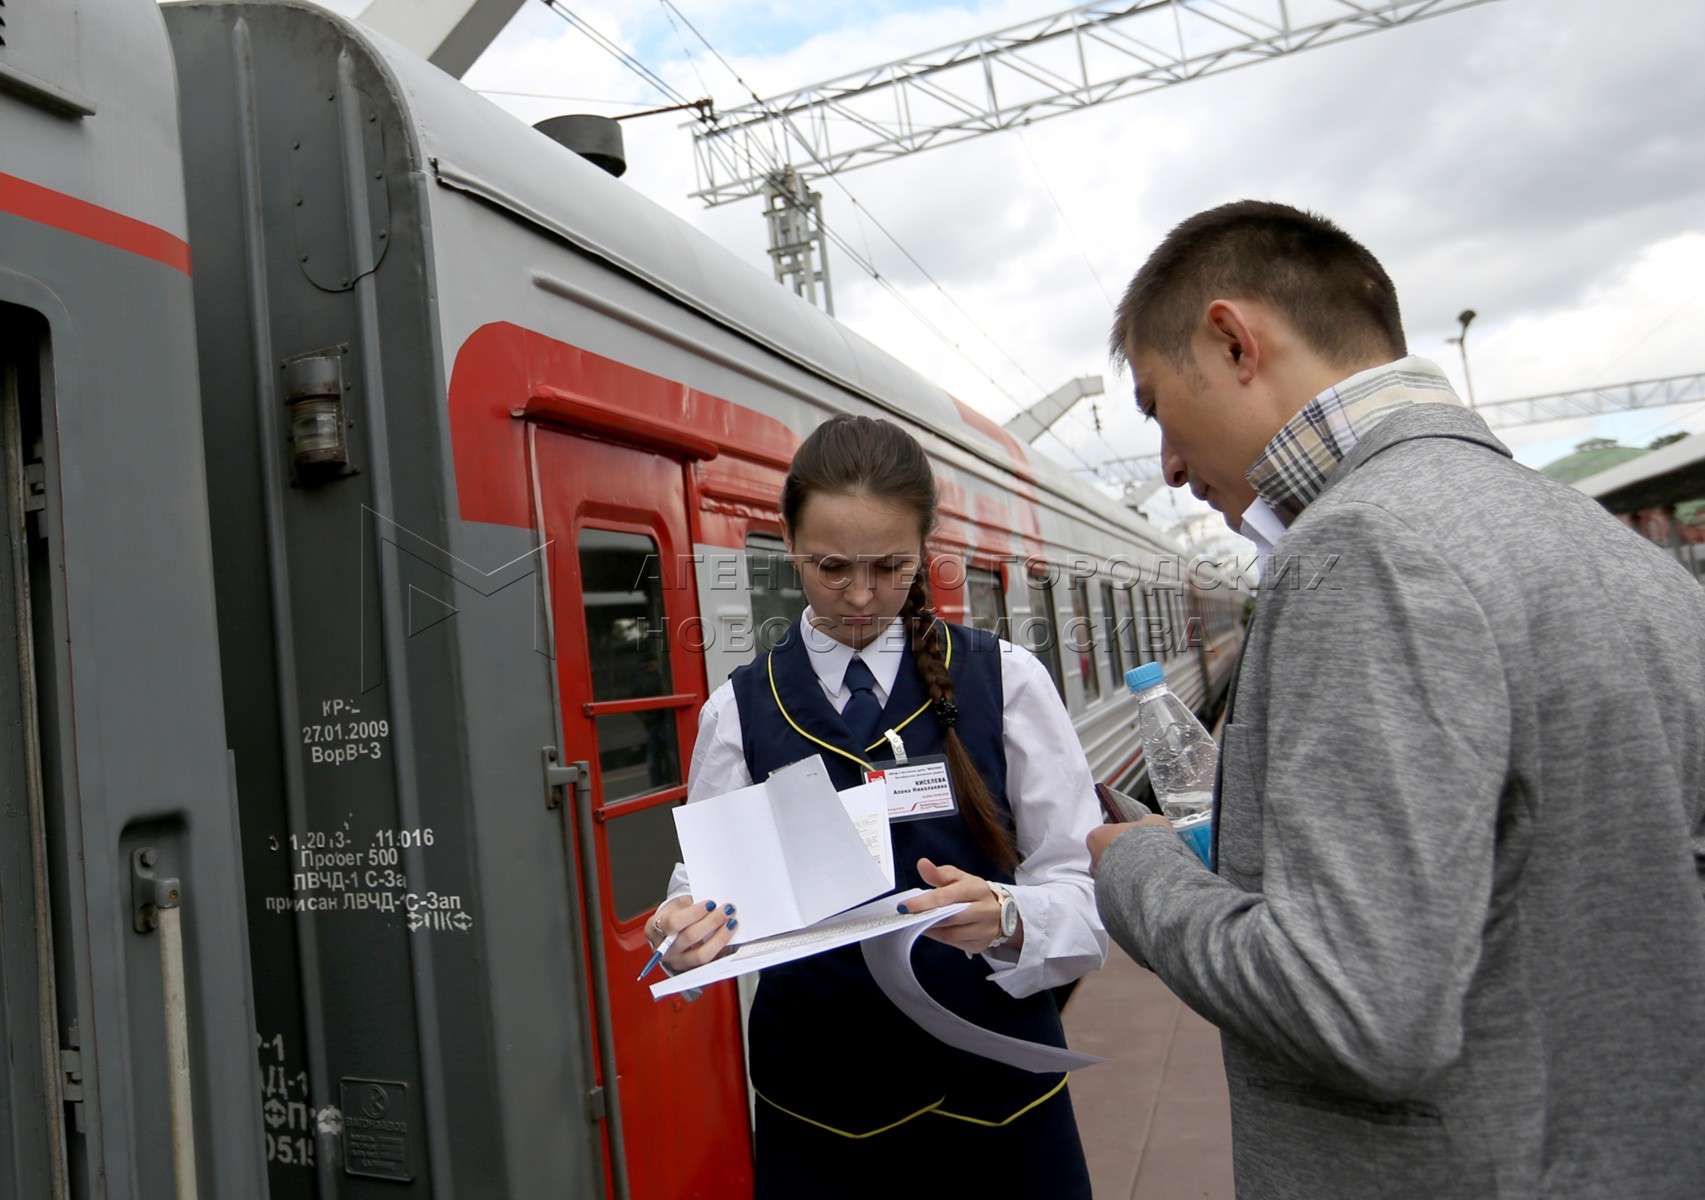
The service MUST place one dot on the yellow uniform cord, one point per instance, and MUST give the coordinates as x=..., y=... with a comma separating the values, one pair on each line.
x=770, y=666
x=935, y=1108
x=947, y=661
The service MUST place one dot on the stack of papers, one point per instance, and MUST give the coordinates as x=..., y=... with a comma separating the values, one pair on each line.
x=854, y=925
x=789, y=851
x=800, y=863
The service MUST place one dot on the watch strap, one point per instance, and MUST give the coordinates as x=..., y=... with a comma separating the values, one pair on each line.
x=1008, y=905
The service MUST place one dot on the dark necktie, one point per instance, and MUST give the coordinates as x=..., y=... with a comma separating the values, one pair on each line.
x=863, y=712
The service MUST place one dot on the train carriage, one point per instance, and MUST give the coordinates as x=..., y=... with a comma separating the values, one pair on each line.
x=493, y=453
x=121, y=938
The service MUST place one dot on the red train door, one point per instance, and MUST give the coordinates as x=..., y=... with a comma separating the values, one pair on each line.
x=624, y=609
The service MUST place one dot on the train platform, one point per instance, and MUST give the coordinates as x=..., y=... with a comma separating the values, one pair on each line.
x=1155, y=1118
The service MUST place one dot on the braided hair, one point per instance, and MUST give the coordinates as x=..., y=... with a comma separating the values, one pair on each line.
x=864, y=456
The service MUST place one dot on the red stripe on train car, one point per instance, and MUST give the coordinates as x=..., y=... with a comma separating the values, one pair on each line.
x=33, y=202
x=1026, y=522
x=504, y=372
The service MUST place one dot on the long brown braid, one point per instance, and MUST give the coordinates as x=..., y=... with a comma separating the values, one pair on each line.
x=865, y=456
x=975, y=803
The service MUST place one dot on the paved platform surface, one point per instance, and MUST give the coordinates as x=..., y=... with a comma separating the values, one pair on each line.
x=1155, y=1119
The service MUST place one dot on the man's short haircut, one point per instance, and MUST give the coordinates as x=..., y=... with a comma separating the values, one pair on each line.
x=1322, y=281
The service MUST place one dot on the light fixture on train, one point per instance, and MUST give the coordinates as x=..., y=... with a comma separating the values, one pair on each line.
x=314, y=391
x=596, y=139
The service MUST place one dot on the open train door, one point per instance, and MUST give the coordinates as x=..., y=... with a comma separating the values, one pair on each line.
x=624, y=617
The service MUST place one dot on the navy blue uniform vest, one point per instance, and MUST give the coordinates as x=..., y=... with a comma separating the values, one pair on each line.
x=825, y=1042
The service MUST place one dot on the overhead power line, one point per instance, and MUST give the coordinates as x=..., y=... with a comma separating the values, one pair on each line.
x=773, y=159
x=1044, y=68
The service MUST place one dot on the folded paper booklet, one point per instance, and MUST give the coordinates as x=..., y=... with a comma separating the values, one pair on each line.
x=789, y=851
x=886, y=937
x=870, y=920
x=801, y=862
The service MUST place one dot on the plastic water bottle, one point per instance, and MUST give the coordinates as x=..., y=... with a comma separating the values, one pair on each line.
x=1181, y=758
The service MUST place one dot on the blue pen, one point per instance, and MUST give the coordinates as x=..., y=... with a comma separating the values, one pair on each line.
x=657, y=954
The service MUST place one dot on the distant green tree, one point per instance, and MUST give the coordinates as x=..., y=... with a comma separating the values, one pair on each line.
x=1658, y=443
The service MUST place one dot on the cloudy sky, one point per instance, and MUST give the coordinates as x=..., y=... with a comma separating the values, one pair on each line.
x=1539, y=161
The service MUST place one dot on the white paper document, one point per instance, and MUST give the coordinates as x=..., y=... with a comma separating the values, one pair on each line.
x=789, y=851
x=890, y=961
x=875, y=919
x=888, y=937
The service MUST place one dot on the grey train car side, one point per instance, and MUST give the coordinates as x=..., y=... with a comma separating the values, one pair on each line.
x=121, y=934
x=493, y=451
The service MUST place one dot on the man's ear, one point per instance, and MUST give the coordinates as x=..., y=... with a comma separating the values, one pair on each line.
x=1233, y=339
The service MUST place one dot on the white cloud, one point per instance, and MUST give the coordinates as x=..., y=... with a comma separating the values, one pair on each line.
x=1540, y=161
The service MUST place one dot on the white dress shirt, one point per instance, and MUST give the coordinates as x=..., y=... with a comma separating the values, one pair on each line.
x=1048, y=785
x=1262, y=526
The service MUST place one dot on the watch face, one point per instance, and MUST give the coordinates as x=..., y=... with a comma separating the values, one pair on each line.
x=1009, y=918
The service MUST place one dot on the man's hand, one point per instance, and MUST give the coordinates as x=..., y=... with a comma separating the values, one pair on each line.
x=1103, y=836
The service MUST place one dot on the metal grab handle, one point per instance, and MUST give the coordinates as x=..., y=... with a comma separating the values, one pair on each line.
x=177, y=1052
x=155, y=906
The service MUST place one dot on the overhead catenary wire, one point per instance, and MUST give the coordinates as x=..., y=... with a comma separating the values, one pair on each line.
x=1042, y=178
x=615, y=51
x=656, y=81
x=869, y=268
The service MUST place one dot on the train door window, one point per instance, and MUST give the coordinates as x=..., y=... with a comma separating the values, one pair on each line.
x=778, y=597
x=627, y=639
x=985, y=600
x=1110, y=626
x=1041, y=630
x=1082, y=641
x=643, y=850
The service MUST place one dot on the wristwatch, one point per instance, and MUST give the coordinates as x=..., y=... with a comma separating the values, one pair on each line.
x=1009, y=914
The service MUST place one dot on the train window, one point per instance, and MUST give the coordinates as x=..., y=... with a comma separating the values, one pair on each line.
x=1156, y=624
x=985, y=600
x=1128, y=626
x=628, y=650
x=643, y=850
x=777, y=595
x=1110, y=623
x=1041, y=630
x=1082, y=641
x=1139, y=624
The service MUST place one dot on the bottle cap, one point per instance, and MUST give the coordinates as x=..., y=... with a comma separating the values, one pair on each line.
x=1140, y=679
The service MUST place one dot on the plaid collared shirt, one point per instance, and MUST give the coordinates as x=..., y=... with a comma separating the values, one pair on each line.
x=1299, y=460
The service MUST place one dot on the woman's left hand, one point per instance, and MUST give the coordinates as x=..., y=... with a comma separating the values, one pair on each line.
x=972, y=929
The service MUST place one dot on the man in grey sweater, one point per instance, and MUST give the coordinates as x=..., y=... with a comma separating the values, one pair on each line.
x=1455, y=941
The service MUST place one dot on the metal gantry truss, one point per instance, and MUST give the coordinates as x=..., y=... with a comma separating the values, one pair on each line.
x=1044, y=68
x=1593, y=402
x=1506, y=414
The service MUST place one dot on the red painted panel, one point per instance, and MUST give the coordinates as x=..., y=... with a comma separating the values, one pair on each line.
x=679, y=1064
x=33, y=202
x=502, y=367
x=1027, y=526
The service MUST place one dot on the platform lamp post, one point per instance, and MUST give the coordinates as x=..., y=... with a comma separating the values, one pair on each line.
x=1461, y=342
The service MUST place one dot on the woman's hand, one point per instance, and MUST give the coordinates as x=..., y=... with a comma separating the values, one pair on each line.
x=705, y=930
x=973, y=929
